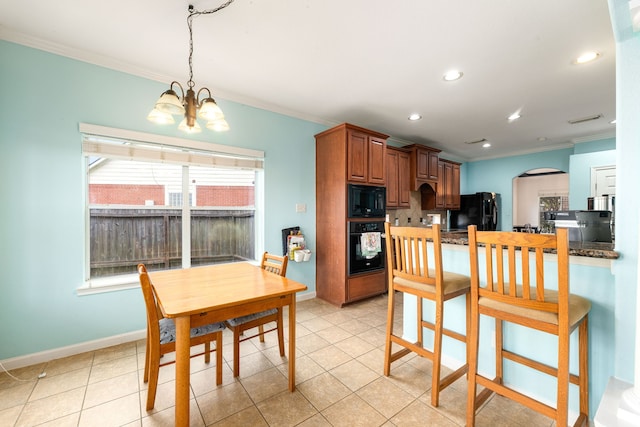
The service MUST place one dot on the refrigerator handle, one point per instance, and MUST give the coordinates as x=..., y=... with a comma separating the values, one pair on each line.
x=495, y=213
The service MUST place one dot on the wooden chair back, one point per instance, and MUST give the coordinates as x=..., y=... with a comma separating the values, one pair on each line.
x=274, y=264
x=411, y=255
x=514, y=271
x=153, y=312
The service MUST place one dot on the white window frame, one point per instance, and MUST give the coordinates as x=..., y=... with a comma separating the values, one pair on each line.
x=170, y=150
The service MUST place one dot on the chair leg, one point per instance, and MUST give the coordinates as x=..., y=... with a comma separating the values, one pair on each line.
x=437, y=353
x=419, y=315
x=236, y=351
x=154, y=368
x=218, y=358
x=468, y=326
x=562, y=408
x=390, y=316
x=207, y=352
x=146, y=358
x=280, y=332
x=261, y=333
x=499, y=347
x=583, y=355
x=472, y=360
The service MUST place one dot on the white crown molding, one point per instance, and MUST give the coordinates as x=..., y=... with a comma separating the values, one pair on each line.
x=114, y=64
x=595, y=137
x=78, y=54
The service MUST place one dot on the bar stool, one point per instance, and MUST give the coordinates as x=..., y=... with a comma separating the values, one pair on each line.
x=514, y=289
x=415, y=269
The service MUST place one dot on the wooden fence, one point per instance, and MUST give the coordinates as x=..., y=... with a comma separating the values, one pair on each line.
x=122, y=238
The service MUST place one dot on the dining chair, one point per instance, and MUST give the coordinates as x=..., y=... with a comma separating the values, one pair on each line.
x=414, y=266
x=161, y=337
x=512, y=280
x=239, y=325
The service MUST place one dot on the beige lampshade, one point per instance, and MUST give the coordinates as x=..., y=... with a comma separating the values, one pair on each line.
x=210, y=111
x=169, y=103
x=219, y=125
x=160, y=118
x=195, y=129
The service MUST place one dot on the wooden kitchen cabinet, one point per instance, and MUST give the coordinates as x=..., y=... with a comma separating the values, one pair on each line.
x=424, y=165
x=440, y=188
x=451, y=184
x=365, y=157
x=447, y=190
x=398, y=178
x=344, y=154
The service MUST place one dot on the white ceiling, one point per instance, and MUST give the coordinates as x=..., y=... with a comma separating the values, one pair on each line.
x=367, y=62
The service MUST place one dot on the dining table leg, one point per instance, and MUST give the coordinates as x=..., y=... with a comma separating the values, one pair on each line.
x=292, y=344
x=183, y=348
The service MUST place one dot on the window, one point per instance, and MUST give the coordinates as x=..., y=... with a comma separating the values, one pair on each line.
x=167, y=203
x=551, y=203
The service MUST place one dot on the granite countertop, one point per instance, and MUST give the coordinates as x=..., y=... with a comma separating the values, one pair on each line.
x=586, y=249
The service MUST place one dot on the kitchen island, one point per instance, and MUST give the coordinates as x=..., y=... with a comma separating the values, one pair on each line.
x=585, y=249
x=591, y=276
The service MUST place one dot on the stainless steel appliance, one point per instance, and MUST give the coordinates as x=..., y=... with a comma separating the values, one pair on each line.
x=584, y=226
x=479, y=209
x=360, y=259
x=605, y=202
x=366, y=201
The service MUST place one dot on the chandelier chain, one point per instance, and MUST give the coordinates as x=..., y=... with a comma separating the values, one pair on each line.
x=192, y=14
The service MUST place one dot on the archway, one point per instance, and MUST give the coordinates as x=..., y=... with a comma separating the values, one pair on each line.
x=536, y=191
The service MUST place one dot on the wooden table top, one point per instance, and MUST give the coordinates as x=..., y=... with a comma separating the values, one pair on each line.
x=194, y=290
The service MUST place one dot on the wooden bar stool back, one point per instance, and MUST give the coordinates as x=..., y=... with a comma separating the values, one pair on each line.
x=414, y=266
x=510, y=285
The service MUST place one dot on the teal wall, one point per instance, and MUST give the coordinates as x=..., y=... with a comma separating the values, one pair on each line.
x=497, y=175
x=628, y=176
x=591, y=146
x=44, y=97
x=580, y=175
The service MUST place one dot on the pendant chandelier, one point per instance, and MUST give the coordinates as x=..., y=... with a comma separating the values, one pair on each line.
x=190, y=105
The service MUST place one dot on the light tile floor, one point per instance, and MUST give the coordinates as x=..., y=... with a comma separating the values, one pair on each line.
x=340, y=353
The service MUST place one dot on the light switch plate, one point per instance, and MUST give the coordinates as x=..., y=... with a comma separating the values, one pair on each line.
x=301, y=207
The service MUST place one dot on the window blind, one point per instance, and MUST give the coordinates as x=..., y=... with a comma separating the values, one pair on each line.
x=129, y=145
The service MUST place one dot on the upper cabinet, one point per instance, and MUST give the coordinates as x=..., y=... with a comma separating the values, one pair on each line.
x=365, y=156
x=446, y=194
x=451, y=184
x=398, y=178
x=424, y=165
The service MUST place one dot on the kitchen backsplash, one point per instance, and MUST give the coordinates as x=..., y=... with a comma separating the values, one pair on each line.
x=414, y=212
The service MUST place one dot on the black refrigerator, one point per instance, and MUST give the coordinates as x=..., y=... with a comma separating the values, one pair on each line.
x=479, y=209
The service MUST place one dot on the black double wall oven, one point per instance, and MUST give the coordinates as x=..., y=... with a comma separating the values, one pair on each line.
x=366, y=214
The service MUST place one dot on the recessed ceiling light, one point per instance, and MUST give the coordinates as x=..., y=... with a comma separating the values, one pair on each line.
x=415, y=116
x=514, y=116
x=613, y=122
x=542, y=138
x=452, y=75
x=486, y=145
x=587, y=57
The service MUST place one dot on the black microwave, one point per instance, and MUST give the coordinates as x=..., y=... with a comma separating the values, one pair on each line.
x=366, y=201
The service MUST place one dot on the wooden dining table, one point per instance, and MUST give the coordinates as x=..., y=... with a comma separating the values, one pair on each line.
x=200, y=295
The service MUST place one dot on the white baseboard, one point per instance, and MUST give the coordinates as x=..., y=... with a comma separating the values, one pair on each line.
x=305, y=296
x=57, y=353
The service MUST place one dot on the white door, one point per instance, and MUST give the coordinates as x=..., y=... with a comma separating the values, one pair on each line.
x=603, y=181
